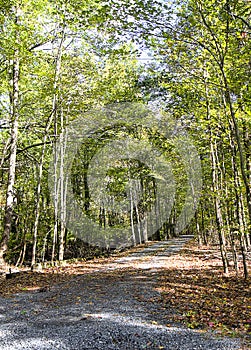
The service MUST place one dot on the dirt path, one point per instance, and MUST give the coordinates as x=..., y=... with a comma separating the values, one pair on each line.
x=113, y=306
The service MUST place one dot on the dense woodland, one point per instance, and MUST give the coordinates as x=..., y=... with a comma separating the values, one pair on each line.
x=188, y=59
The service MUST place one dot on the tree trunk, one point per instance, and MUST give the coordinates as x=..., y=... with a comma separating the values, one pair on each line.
x=218, y=213
x=13, y=149
x=55, y=116
x=215, y=187
x=37, y=198
x=131, y=216
x=63, y=190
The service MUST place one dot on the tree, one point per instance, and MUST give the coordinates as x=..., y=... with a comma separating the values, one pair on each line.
x=205, y=78
x=14, y=99
x=42, y=99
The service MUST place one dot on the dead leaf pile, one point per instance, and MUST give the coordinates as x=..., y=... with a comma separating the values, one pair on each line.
x=203, y=296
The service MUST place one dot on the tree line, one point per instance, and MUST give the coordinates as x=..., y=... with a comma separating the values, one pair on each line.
x=60, y=59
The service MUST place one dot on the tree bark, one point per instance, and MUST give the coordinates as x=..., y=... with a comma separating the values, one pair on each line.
x=10, y=197
x=216, y=189
x=55, y=115
x=63, y=190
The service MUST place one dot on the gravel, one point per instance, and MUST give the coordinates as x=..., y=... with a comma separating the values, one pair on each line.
x=97, y=311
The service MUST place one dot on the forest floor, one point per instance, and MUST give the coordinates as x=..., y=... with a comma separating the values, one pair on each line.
x=170, y=283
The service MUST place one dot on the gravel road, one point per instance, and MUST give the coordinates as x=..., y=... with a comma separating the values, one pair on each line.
x=99, y=311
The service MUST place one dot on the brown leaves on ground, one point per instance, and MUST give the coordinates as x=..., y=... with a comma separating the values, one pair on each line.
x=26, y=280
x=193, y=282
x=30, y=281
